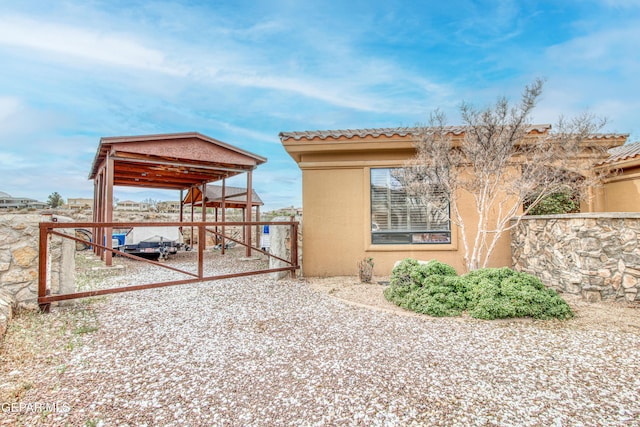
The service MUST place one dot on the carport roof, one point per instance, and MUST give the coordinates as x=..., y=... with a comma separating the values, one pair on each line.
x=171, y=161
x=235, y=197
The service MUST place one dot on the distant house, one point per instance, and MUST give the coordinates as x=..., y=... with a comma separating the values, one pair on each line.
x=130, y=205
x=290, y=211
x=168, y=206
x=79, y=203
x=355, y=208
x=621, y=191
x=9, y=202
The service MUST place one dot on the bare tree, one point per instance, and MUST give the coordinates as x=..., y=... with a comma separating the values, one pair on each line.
x=495, y=162
x=152, y=203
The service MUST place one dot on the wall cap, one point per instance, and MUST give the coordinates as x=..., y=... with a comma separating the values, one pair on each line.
x=590, y=215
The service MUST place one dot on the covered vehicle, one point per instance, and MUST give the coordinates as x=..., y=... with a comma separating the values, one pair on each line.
x=149, y=242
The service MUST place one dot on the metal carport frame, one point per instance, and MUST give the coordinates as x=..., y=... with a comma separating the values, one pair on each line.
x=178, y=161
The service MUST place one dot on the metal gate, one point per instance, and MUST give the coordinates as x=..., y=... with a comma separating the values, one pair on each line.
x=217, y=229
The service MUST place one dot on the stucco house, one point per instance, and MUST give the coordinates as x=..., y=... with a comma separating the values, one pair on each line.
x=79, y=203
x=621, y=191
x=130, y=205
x=9, y=202
x=353, y=207
x=168, y=206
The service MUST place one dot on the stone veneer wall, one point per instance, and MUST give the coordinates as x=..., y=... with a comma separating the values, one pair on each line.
x=19, y=235
x=594, y=255
x=280, y=245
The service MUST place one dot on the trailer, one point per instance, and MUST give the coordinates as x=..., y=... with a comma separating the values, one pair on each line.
x=149, y=242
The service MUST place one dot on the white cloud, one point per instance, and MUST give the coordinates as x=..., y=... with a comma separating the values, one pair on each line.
x=9, y=106
x=613, y=48
x=226, y=60
x=11, y=162
x=90, y=45
x=622, y=4
x=323, y=90
x=18, y=119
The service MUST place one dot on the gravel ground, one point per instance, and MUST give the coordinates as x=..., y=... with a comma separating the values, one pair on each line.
x=253, y=351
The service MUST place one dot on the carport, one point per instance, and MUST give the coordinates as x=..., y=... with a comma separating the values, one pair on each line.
x=181, y=161
x=223, y=197
x=177, y=161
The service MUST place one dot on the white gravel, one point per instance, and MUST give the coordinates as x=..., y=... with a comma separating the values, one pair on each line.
x=253, y=351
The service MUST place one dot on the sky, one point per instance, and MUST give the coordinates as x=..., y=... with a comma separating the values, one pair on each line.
x=73, y=71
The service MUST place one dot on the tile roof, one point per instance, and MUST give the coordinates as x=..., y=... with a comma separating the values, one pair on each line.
x=624, y=152
x=376, y=132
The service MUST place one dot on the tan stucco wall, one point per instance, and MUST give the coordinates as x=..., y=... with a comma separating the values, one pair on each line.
x=621, y=192
x=336, y=203
x=336, y=229
x=332, y=230
x=622, y=196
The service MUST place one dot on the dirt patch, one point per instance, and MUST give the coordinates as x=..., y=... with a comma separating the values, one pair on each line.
x=605, y=315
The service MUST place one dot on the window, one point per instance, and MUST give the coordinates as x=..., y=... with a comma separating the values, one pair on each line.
x=400, y=218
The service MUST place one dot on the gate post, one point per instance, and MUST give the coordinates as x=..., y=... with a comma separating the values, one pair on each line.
x=42, y=267
x=201, y=237
x=294, y=248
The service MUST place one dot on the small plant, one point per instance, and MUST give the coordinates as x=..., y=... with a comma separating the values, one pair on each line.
x=365, y=269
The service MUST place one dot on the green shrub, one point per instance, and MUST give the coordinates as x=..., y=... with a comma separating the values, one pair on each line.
x=556, y=203
x=432, y=288
x=435, y=267
x=489, y=293
x=411, y=273
x=502, y=292
x=401, y=274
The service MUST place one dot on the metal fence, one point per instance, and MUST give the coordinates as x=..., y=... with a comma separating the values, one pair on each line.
x=217, y=229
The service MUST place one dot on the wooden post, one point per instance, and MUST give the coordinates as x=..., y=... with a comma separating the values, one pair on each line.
x=294, y=248
x=258, y=226
x=204, y=216
x=181, y=206
x=193, y=237
x=97, y=203
x=244, y=229
x=247, y=214
x=42, y=266
x=101, y=215
x=201, y=238
x=216, y=239
x=224, y=214
x=109, y=209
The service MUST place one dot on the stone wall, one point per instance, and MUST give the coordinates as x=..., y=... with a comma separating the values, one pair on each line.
x=19, y=245
x=593, y=255
x=280, y=240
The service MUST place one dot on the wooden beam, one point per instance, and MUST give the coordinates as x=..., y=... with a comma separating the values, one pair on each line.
x=247, y=214
x=208, y=166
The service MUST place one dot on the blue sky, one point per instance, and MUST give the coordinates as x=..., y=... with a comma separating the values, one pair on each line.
x=243, y=71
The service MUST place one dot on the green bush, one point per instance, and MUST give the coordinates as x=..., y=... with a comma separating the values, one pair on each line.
x=401, y=274
x=556, y=203
x=489, y=293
